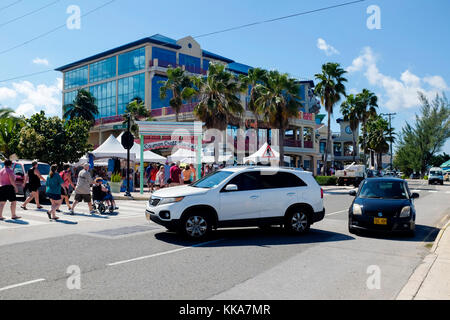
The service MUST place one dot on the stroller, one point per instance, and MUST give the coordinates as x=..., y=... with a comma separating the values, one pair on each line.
x=100, y=196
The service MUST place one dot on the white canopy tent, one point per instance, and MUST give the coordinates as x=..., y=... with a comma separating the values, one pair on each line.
x=149, y=156
x=112, y=148
x=189, y=156
x=264, y=155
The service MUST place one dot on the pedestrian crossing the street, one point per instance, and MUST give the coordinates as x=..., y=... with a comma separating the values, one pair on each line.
x=35, y=218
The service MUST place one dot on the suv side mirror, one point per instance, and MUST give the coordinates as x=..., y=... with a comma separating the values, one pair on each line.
x=352, y=193
x=231, y=188
x=415, y=196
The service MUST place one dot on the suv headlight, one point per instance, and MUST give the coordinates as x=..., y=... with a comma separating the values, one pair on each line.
x=170, y=200
x=357, y=210
x=406, y=212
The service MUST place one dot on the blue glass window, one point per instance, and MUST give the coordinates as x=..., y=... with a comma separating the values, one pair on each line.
x=206, y=64
x=105, y=95
x=130, y=88
x=102, y=70
x=76, y=78
x=192, y=63
x=301, y=93
x=69, y=97
x=157, y=103
x=132, y=61
x=165, y=57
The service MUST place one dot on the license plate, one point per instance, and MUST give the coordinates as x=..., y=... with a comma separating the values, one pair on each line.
x=147, y=215
x=381, y=221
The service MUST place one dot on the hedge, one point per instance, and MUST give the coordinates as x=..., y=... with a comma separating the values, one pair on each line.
x=326, y=181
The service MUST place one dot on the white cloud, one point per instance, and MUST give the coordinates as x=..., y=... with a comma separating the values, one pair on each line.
x=398, y=93
x=41, y=61
x=324, y=46
x=30, y=98
x=7, y=94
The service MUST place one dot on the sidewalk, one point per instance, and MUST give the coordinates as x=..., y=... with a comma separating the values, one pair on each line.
x=431, y=280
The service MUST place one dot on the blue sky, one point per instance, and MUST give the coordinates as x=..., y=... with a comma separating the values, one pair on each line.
x=409, y=53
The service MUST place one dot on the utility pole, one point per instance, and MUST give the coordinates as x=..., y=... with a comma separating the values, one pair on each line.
x=390, y=115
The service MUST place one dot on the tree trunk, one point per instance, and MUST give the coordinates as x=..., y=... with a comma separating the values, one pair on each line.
x=281, y=134
x=328, y=146
x=177, y=116
x=354, y=147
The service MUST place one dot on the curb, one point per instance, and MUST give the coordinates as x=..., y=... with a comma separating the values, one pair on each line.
x=419, y=275
x=130, y=198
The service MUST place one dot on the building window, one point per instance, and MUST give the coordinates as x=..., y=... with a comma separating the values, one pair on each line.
x=308, y=138
x=129, y=89
x=323, y=145
x=165, y=57
x=102, y=70
x=348, y=149
x=192, y=63
x=69, y=97
x=132, y=61
x=76, y=78
x=337, y=149
x=105, y=95
x=157, y=103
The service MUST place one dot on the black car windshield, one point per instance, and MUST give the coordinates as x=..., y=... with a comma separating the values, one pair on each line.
x=44, y=169
x=212, y=180
x=436, y=173
x=379, y=189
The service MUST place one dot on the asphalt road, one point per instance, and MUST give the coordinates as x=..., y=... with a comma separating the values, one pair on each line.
x=124, y=257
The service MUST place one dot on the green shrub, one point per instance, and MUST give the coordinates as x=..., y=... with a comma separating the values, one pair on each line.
x=404, y=177
x=326, y=181
x=425, y=178
x=116, y=177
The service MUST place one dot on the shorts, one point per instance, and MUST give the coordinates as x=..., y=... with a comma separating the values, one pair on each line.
x=108, y=197
x=83, y=197
x=33, y=188
x=7, y=193
x=53, y=196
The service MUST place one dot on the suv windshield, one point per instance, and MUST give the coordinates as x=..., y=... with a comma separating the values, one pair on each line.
x=373, y=189
x=44, y=169
x=212, y=180
x=435, y=173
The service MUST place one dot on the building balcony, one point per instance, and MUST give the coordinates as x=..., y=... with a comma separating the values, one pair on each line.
x=298, y=144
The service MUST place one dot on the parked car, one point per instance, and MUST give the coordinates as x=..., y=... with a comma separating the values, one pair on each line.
x=240, y=197
x=21, y=168
x=384, y=204
x=414, y=176
x=436, y=176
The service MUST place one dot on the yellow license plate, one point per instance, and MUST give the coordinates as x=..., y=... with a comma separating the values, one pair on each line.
x=381, y=221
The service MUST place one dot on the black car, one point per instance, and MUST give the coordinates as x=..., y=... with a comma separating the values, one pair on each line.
x=383, y=204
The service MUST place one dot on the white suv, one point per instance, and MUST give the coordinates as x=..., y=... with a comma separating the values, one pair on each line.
x=240, y=197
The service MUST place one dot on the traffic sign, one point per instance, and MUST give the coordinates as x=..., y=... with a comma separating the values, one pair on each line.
x=127, y=140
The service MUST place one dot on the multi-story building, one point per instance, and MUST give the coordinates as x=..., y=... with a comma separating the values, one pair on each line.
x=342, y=143
x=117, y=76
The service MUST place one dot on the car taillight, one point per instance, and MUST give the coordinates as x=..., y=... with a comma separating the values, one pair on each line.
x=321, y=193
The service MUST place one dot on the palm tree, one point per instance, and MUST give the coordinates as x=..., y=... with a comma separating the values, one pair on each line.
x=277, y=101
x=180, y=85
x=6, y=113
x=84, y=106
x=9, y=132
x=136, y=109
x=349, y=109
x=330, y=88
x=379, y=136
x=255, y=76
x=367, y=104
x=218, y=101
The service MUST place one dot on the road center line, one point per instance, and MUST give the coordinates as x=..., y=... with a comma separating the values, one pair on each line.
x=21, y=284
x=162, y=253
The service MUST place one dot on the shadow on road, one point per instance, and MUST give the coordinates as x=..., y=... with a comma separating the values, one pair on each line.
x=423, y=234
x=256, y=237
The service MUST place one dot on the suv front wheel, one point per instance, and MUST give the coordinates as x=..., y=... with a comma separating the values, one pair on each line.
x=297, y=221
x=196, y=226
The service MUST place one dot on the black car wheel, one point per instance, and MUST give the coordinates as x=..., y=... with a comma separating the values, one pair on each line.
x=196, y=226
x=297, y=221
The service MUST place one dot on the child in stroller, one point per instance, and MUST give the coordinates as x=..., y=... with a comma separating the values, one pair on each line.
x=102, y=193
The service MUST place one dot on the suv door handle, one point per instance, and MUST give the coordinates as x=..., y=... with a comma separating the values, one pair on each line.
x=254, y=197
x=290, y=194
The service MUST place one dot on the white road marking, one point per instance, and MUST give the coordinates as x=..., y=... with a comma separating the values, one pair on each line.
x=162, y=253
x=330, y=214
x=431, y=191
x=21, y=284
